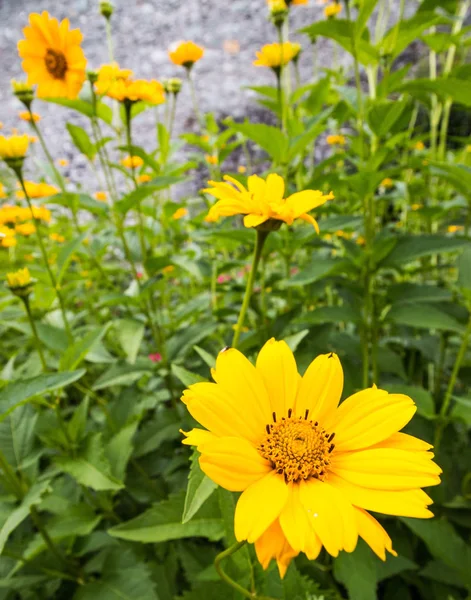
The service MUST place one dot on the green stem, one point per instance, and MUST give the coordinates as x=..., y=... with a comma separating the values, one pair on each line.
x=261, y=237
x=109, y=40
x=45, y=257
x=279, y=71
x=194, y=98
x=172, y=115
x=35, y=332
x=58, y=177
x=224, y=576
x=11, y=476
x=44, y=534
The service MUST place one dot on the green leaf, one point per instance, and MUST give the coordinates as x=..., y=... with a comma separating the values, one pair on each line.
x=444, y=87
x=423, y=316
x=132, y=199
x=163, y=522
x=130, y=334
x=383, y=115
x=65, y=255
x=18, y=392
x=409, y=248
x=81, y=140
x=313, y=128
x=366, y=9
x=444, y=543
x=186, y=377
x=458, y=175
x=331, y=314
x=405, y=32
x=122, y=374
x=316, y=270
x=407, y=293
x=208, y=358
x=19, y=514
x=464, y=270
x=119, y=450
x=83, y=201
x=91, y=467
x=271, y=139
x=104, y=112
x=423, y=398
x=179, y=344
x=76, y=353
x=200, y=487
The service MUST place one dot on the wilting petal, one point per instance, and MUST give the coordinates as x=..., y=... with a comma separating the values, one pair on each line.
x=273, y=544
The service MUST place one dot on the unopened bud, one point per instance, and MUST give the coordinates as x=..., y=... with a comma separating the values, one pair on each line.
x=106, y=9
x=23, y=91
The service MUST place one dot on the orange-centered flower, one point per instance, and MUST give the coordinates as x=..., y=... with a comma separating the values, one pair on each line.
x=308, y=469
x=263, y=200
x=52, y=56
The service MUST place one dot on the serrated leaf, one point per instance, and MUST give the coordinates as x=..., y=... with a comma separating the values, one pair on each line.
x=186, y=377
x=200, y=487
x=410, y=248
x=76, y=353
x=271, y=139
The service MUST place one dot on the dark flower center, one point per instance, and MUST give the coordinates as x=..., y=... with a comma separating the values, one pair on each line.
x=56, y=63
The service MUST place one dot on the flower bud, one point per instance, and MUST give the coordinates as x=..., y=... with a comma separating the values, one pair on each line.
x=278, y=12
x=106, y=9
x=23, y=91
x=20, y=283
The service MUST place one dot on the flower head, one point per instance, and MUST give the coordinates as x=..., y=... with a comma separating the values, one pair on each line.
x=25, y=229
x=14, y=146
x=132, y=162
x=454, y=228
x=275, y=55
x=20, y=282
x=387, y=183
x=27, y=116
x=134, y=90
x=101, y=196
x=52, y=56
x=263, y=201
x=37, y=190
x=180, y=213
x=168, y=269
x=63, y=162
x=336, y=140
x=211, y=159
x=7, y=237
x=419, y=146
x=57, y=237
x=144, y=178
x=332, y=10
x=23, y=91
x=155, y=357
x=185, y=54
x=308, y=469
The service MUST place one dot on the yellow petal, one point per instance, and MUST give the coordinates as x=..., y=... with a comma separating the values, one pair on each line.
x=254, y=220
x=297, y=526
x=373, y=533
x=321, y=388
x=197, y=437
x=259, y=506
x=404, y=503
x=303, y=202
x=233, y=463
x=275, y=188
x=404, y=441
x=369, y=417
x=332, y=515
x=310, y=220
x=277, y=366
x=273, y=544
x=386, y=468
x=239, y=378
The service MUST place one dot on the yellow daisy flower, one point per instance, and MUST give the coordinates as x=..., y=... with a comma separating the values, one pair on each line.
x=180, y=213
x=57, y=237
x=241, y=169
x=25, y=229
x=62, y=162
x=26, y=116
x=275, y=55
x=262, y=201
x=52, y=56
x=387, y=182
x=132, y=162
x=332, y=10
x=336, y=140
x=144, y=178
x=136, y=90
x=19, y=279
x=419, y=146
x=15, y=146
x=185, y=54
x=101, y=196
x=2, y=191
x=211, y=159
x=168, y=269
x=308, y=469
x=454, y=228
x=7, y=237
x=37, y=190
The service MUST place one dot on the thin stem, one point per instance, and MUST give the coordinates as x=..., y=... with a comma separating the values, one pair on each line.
x=224, y=576
x=57, y=175
x=109, y=40
x=44, y=534
x=35, y=332
x=194, y=98
x=279, y=71
x=172, y=115
x=261, y=237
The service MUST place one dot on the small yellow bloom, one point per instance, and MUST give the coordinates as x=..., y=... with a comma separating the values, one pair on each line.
x=57, y=237
x=263, y=201
x=468, y=147
x=134, y=90
x=276, y=55
x=52, y=56
x=416, y=206
x=25, y=229
x=419, y=146
x=360, y=240
x=204, y=138
x=33, y=139
x=37, y=190
x=185, y=54
x=336, y=140
x=344, y=234
x=7, y=237
x=15, y=146
x=63, y=162
x=454, y=228
x=297, y=2
x=1, y=125
x=8, y=242
x=28, y=257
x=101, y=196
x=26, y=116
x=241, y=169
x=211, y=159
x=2, y=191
x=168, y=269
x=332, y=10
x=180, y=213
x=132, y=162
x=308, y=467
x=387, y=182
x=144, y=178
x=19, y=279
x=244, y=328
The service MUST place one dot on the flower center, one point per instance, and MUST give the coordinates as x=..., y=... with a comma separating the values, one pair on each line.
x=56, y=63
x=297, y=448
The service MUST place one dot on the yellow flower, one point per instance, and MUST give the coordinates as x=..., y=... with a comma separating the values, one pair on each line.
x=101, y=196
x=2, y=191
x=297, y=2
x=63, y=162
x=360, y=240
x=33, y=139
x=336, y=140
x=275, y=55
x=15, y=146
x=26, y=116
x=180, y=213
x=131, y=162
x=52, y=57
x=136, y=90
x=241, y=169
x=40, y=213
x=144, y=178
x=19, y=279
x=262, y=201
x=37, y=190
x=387, y=182
x=185, y=54
x=416, y=206
x=57, y=237
x=454, y=228
x=419, y=146
x=211, y=159
x=1, y=125
x=468, y=147
x=168, y=269
x=308, y=469
x=25, y=229
x=344, y=234
x=111, y=72
x=7, y=237
x=332, y=10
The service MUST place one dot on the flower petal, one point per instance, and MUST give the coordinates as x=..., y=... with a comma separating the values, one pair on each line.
x=197, y=437
x=273, y=544
x=254, y=220
x=259, y=506
x=297, y=526
x=404, y=503
x=386, y=468
x=233, y=463
x=321, y=388
x=332, y=515
x=275, y=188
x=277, y=366
x=303, y=202
x=369, y=417
x=373, y=533
x=404, y=441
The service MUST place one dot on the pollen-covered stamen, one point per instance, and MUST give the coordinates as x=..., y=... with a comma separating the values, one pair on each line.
x=297, y=448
